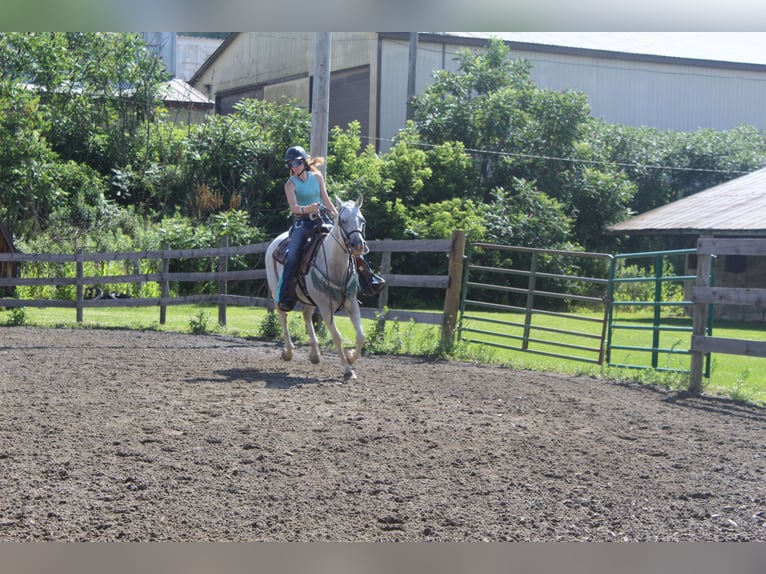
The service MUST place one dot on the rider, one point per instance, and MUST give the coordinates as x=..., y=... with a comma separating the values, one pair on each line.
x=306, y=191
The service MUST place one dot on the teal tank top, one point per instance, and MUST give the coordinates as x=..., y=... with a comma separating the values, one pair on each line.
x=307, y=192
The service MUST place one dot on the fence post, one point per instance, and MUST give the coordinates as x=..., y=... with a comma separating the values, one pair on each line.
x=699, y=320
x=530, y=301
x=164, y=287
x=452, y=296
x=78, y=287
x=385, y=267
x=657, y=315
x=223, y=267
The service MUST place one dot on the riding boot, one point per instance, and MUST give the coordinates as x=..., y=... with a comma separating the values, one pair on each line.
x=370, y=283
x=288, y=297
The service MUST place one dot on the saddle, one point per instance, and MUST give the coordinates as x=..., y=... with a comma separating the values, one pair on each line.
x=308, y=252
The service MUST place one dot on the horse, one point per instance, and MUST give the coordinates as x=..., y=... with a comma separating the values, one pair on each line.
x=331, y=284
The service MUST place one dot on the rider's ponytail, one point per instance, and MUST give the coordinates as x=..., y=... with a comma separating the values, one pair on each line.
x=314, y=163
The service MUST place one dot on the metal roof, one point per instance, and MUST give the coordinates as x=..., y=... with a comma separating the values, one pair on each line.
x=736, y=207
x=733, y=47
x=177, y=90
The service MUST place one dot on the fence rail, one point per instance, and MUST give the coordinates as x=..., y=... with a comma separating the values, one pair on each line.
x=221, y=276
x=704, y=295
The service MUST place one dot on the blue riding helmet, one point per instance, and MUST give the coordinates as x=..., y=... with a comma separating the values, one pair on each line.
x=295, y=152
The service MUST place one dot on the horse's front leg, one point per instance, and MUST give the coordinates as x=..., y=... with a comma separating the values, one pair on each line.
x=348, y=372
x=308, y=313
x=287, y=352
x=356, y=320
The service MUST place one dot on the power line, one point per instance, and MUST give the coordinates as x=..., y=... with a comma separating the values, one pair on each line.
x=576, y=160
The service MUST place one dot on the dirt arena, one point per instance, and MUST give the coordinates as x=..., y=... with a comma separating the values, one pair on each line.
x=111, y=435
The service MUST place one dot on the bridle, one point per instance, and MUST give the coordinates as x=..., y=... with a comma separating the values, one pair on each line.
x=347, y=235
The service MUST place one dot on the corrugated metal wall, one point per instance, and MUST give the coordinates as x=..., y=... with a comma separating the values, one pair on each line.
x=659, y=92
x=666, y=96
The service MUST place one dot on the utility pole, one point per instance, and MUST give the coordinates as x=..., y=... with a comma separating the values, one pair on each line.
x=320, y=97
x=411, y=72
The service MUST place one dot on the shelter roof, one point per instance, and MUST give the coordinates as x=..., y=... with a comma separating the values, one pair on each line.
x=177, y=90
x=735, y=208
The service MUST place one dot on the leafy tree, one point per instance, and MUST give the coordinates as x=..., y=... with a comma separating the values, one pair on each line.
x=439, y=220
x=453, y=174
x=27, y=181
x=76, y=99
x=352, y=170
x=407, y=167
x=240, y=157
x=666, y=166
x=527, y=217
x=517, y=131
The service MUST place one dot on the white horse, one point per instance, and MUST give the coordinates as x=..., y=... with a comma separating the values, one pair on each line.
x=331, y=284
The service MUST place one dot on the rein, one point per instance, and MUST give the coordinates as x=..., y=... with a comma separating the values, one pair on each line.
x=339, y=292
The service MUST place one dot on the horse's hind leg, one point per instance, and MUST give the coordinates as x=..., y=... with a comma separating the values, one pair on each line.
x=308, y=313
x=287, y=352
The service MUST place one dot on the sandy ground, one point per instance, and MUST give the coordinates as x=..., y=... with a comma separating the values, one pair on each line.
x=111, y=435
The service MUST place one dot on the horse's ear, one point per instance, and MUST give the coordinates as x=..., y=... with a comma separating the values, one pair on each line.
x=338, y=202
x=359, y=200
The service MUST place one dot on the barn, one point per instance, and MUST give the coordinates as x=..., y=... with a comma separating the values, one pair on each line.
x=7, y=269
x=736, y=208
x=669, y=81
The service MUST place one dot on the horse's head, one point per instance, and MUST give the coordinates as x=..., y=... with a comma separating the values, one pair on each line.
x=352, y=225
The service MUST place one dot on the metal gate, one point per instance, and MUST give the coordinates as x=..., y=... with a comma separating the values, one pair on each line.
x=524, y=302
x=668, y=339
x=527, y=299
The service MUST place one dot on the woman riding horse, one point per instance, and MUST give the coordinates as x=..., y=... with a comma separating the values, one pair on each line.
x=305, y=191
x=307, y=196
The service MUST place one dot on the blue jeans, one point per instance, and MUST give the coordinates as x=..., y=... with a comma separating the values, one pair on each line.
x=300, y=229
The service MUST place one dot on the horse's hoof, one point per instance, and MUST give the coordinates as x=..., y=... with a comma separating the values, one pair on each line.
x=314, y=359
x=349, y=376
x=286, y=356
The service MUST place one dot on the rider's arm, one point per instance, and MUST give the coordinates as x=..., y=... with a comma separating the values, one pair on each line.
x=326, y=201
x=295, y=209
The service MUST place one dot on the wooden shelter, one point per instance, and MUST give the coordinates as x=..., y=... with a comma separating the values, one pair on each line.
x=736, y=208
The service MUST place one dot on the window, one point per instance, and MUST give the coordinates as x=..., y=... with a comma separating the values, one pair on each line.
x=735, y=263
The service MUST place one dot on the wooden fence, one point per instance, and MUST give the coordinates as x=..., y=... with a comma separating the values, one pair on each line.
x=704, y=294
x=450, y=282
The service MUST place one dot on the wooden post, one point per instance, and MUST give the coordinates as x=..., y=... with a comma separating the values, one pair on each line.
x=320, y=114
x=385, y=267
x=411, y=73
x=78, y=287
x=164, y=287
x=137, y=271
x=452, y=296
x=223, y=267
x=699, y=320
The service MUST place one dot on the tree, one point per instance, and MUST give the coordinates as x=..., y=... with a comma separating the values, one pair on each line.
x=240, y=158
x=517, y=131
x=78, y=99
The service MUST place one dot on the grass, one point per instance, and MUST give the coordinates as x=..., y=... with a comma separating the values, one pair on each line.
x=740, y=378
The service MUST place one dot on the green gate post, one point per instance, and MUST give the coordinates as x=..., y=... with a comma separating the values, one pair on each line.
x=657, y=313
x=530, y=301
